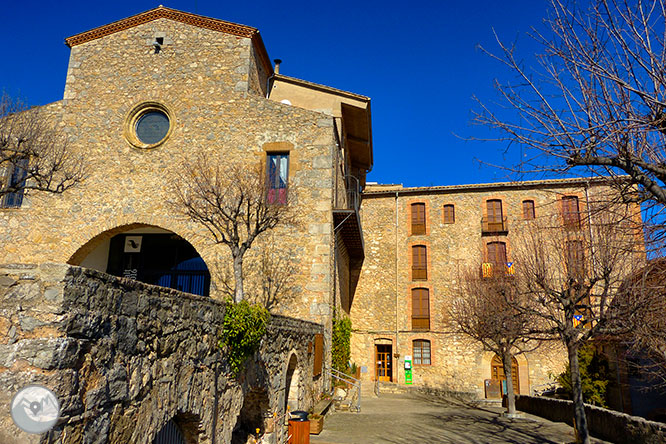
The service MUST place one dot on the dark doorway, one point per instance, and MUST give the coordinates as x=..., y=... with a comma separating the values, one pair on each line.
x=170, y=434
x=166, y=260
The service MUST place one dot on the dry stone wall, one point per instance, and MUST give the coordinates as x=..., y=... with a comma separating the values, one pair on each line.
x=126, y=357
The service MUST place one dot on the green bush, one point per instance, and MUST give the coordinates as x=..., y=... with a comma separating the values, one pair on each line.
x=341, y=348
x=594, y=375
x=244, y=326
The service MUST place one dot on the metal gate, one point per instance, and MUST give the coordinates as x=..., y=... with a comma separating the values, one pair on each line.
x=170, y=434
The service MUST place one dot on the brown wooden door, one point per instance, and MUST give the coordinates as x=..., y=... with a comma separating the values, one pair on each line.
x=383, y=359
x=497, y=372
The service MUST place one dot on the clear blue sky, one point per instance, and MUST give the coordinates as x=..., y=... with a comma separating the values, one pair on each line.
x=419, y=64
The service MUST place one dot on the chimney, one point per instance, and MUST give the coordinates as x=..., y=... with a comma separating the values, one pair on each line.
x=277, y=65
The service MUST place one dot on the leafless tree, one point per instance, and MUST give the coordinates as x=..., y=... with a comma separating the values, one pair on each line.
x=231, y=202
x=570, y=271
x=34, y=153
x=593, y=98
x=483, y=310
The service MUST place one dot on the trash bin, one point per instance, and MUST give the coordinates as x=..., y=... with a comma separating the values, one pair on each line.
x=299, y=427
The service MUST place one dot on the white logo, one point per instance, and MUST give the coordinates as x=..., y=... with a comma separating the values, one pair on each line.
x=35, y=409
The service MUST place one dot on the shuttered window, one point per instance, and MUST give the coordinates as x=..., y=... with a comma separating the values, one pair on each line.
x=421, y=352
x=575, y=256
x=318, y=354
x=420, y=309
x=449, y=214
x=570, y=211
x=528, y=210
x=419, y=263
x=496, y=253
x=418, y=218
x=15, y=184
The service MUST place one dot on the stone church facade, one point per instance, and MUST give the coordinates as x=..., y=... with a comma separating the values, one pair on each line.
x=147, y=92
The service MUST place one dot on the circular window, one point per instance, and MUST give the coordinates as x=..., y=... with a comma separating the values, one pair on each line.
x=148, y=125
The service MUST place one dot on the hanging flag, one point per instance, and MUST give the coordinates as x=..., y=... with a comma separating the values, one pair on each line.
x=577, y=319
x=486, y=269
x=509, y=268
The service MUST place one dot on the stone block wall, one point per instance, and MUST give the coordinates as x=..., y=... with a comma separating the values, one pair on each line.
x=126, y=357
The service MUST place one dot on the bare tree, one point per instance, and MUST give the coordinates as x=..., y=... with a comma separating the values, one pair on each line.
x=570, y=270
x=594, y=97
x=231, y=202
x=483, y=310
x=34, y=153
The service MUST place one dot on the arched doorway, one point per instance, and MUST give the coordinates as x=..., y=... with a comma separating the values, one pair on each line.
x=170, y=434
x=291, y=384
x=497, y=373
x=148, y=254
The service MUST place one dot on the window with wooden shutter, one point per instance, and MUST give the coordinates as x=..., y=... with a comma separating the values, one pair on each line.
x=318, y=354
x=575, y=257
x=528, y=210
x=419, y=263
x=495, y=216
x=418, y=218
x=449, y=214
x=420, y=309
x=496, y=253
x=570, y=211
x=421, y=352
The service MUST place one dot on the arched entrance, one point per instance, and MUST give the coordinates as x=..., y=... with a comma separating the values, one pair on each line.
x=170, y=434
x=291, y=384
x=497, y=373
x=252, y=416
x=148, y=254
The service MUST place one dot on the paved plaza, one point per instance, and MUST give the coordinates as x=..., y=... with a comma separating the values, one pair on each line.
x=414, y=418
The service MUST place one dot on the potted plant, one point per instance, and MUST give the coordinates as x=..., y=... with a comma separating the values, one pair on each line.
x=316, y=423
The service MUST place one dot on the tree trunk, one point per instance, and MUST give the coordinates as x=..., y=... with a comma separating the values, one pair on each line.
x=510, y=396
x=238, y=279
x=580, y=420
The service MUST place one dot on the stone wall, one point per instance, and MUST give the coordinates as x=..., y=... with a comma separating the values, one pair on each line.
x=610, y=425
x=126, y=357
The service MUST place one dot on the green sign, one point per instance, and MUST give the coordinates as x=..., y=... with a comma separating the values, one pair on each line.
x=408, y=370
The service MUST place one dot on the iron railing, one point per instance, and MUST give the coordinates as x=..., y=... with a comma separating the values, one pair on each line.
x=355, y=384
x=494, y=225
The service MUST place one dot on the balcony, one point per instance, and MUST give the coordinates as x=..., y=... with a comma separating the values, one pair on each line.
x=494, y=227
x=491, y=269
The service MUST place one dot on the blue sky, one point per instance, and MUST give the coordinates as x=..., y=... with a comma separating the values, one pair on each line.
x=420, y=65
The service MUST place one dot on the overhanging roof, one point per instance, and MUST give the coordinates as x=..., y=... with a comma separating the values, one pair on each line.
x=177, y=16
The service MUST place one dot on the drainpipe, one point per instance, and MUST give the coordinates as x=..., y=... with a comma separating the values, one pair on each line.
x=397, y=295
x=276, y=70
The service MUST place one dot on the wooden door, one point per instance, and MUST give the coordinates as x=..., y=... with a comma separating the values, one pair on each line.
x=497, y=373
x=383, y=359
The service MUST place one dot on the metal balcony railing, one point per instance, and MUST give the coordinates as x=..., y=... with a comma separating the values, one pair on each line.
x=494, y=225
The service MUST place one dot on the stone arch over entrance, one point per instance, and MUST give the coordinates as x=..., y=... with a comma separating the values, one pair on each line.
x=146, y=253
x=181, y=429
x=486, y=367
x=291, y=385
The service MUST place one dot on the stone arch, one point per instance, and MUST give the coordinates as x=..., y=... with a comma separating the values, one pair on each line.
x=253, y=415
x=147, y=253
x=181, y=429
x=292, y=383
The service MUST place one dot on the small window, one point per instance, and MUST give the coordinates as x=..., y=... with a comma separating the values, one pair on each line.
x=14, y=188
x=449, y=214
x=528, y=210
x=152, y=127
x=496, y=253
x=421, y=352
x=277, y=170
x=418, y=218
x=419, y=263
x=420, y=309
x=570, y=211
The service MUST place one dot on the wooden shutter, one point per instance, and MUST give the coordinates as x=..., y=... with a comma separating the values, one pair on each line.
x=570, y=211
x=418, y=218
x=497, y=253
x=528, y=209
x=318, y=354
x=449, y=214
x=575, y=258
x=420, y=309
x=419, y=263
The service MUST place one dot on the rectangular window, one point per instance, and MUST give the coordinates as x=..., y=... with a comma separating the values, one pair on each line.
x=277, y=174
x=528, y=210
x=575, y=256
x=15, y=184
x=497, y=253
x=418, y=218
x=570, y=211
x=419, y=263
x=421, y=352
x=449, y=214
x=495, y=216
x=420, y=309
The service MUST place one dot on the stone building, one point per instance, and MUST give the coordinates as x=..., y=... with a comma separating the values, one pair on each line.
x=418, y=241
x=142, y=95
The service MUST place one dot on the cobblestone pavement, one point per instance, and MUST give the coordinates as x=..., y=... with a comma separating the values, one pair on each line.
x=412, y=418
